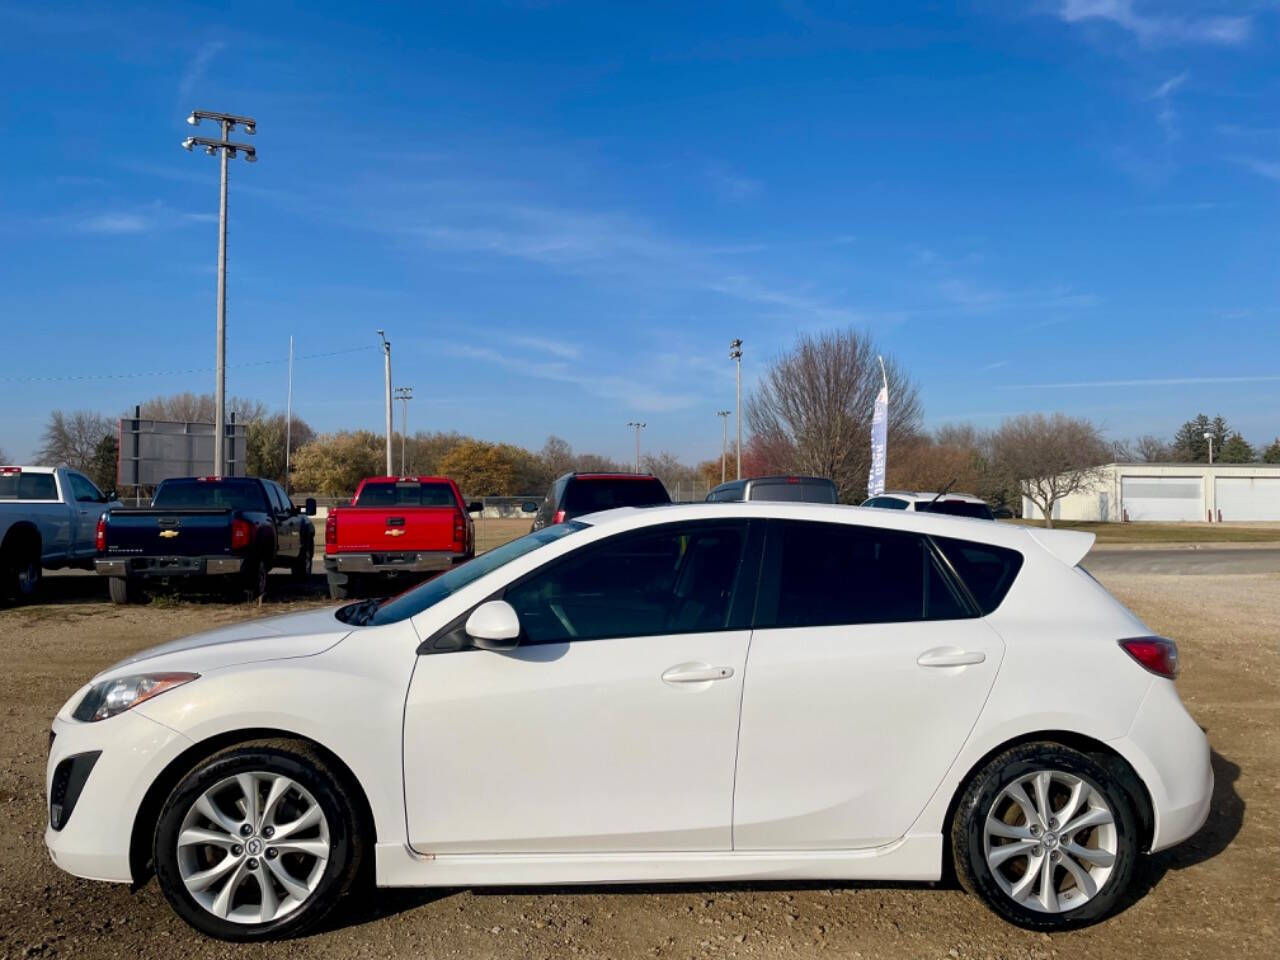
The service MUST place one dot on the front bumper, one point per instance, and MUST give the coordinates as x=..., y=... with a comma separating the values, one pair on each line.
x=168, y=566
x=409, y=561
x=94, y=839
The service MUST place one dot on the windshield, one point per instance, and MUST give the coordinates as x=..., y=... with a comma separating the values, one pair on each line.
x=957, y=508
x=224, y=494
x=412, y=602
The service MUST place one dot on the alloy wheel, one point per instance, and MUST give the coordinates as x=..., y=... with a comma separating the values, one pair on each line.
x=1050, y=841
x=253, y=847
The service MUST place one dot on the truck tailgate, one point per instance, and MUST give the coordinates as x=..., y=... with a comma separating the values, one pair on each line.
x=395, y=529
x=179, y=532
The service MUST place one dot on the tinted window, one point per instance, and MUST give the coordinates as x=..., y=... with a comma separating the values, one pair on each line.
x=777, y=491
x=406, y=494
x=223, y=494
x=28, y=486
x=278, y=499
x=957, y=508
x=678, y=578
x=590, y=495
x=726, y=493
x=888, y=503
x=822, y=574
x=83, y=490
x=987, y=571
x=412, y=602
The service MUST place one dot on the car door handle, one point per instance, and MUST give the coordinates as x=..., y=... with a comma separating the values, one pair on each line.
x=696, y=673
x=950, y=657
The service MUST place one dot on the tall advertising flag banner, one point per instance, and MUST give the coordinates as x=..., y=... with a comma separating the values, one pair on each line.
x=879, y=442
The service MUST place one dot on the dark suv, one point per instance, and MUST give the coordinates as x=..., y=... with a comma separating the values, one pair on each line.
x=793, y=489
x=577, y=493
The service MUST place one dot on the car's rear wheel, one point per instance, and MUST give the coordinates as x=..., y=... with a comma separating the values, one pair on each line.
x=259, y=841
x=342, y=586
x=1046, y=836
x=20, y=569
x=302, y=566
x=122, y=590
x=255, y=578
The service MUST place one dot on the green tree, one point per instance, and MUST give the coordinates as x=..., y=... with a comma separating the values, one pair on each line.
x=334, y=464
x=1269, y=455
x=1235, y=449
x=425, y=451
x=1190, y=444
x=482, y=469
x=265, y=445
x=104, y=468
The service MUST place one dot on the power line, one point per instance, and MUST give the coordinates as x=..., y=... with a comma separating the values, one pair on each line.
x=170, y=373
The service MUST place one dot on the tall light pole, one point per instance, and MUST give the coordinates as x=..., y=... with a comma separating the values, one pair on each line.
x=227, y=150
x=404, y=395
x=288, y=419
x=638, y=427
x=1209, y=437
x=386, y=350
x=724, y=442
x=735, y=353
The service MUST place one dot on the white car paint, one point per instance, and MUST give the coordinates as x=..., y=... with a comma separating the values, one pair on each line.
x=578, y=762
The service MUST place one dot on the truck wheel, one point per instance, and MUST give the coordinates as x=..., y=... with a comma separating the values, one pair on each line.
x=122, y=590
x=255, y=579
x=20, y=571
x=302, y=566
x=340, y=586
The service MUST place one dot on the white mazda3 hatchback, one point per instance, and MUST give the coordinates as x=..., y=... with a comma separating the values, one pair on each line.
x=702, y=693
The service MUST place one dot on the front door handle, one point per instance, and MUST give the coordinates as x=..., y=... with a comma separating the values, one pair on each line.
x=696, y=673
x=950, y=657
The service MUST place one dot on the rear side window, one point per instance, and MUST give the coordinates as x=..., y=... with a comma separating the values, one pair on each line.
x=406, y=494
x=824, y=574
x=588, y=496
x=887, y=503
x=28, y=486
x=986, y=570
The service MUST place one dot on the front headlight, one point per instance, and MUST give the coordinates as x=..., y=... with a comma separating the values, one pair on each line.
x=109, y=697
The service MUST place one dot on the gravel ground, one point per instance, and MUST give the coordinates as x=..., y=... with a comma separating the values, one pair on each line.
x=1216, y=896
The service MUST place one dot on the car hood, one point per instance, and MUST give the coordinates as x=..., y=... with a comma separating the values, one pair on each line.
x=275, y=638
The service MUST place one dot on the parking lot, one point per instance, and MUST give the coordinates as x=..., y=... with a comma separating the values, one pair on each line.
x=1215, y=896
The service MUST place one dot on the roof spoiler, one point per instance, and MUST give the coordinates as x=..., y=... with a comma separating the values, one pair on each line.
x=1069, y=546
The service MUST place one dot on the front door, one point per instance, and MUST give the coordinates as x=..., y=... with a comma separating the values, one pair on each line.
x=866, y=674
x=612, y=727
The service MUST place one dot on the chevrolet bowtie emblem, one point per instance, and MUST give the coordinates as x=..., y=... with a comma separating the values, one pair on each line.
x=168, y=534
x=394, y=532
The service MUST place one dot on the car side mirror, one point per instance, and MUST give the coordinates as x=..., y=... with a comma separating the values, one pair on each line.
x=494, y=626
x=109, y=496
x=475, y=506
x=309, y=506
x=529, y=507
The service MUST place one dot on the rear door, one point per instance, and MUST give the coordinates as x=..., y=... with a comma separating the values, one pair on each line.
x=288, y=525
x=866, y=673
x=87, y=505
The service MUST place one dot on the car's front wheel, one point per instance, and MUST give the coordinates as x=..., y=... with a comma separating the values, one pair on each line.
x=1047, y=836
x=258, y=842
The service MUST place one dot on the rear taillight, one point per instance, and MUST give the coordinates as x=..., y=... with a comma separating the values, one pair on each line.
x=1156, y=654
x=559, y=517
x=100, y=535
x=459, y=527
x=241, y=534
x=331, y=528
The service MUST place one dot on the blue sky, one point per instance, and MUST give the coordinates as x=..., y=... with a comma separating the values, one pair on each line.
x=562, y=212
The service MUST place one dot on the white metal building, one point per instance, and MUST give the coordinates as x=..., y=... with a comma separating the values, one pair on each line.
x=1174, y=492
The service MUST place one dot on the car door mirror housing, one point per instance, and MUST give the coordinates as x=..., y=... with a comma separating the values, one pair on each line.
x=529, y=506
x=309, y=507
x=494, y=626
x=475, y=506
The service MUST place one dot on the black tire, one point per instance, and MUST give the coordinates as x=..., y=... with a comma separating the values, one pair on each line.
x=308, y=768
x=122, y=590
x=341, y=586
x=254, y=578
x=302, y=565
x=20, y=571
x=968, y=837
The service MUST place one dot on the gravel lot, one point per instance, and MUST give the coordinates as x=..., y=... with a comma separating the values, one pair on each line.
x=1216, y=896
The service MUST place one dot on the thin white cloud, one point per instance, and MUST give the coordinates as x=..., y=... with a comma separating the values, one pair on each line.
x=114, y=223
x=193, y=75
x=1148, y=382
x=1166, y=115
x=1263, y=168
x=731, y=186
x=970, y=296
x=557, y=348
x=1157, y=28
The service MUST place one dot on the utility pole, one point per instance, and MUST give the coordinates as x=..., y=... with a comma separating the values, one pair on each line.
x=638, y=427
x=404, y=395
x=724, y=442
x=288, y=419
x=735, y=353
x=227, y=150
x=386, y=350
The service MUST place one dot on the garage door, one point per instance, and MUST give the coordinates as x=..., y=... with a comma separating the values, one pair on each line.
x=1162, y=498
x=1248, y=498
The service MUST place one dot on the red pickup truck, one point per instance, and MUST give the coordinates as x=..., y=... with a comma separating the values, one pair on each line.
x=396, y=526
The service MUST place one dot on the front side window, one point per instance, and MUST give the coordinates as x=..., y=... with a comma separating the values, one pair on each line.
x=676, y=578
x=824, y=574
x=83, y=490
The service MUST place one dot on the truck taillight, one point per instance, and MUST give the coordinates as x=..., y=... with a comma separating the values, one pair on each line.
x=559, y=517
x=241, y=534
x=331, y=528
x=459, y=528
x=100, y=535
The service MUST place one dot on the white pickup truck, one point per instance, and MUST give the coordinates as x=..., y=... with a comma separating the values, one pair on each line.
x=48, y=519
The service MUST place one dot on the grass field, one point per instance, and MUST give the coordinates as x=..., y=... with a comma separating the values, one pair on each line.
x=494, y=533
x=1159, y=533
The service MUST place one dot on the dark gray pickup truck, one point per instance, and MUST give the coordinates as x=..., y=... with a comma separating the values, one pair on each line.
x=233, y=528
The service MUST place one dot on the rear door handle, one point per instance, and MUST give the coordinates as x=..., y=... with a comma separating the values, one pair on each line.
x=696, y=673
x=950, y=657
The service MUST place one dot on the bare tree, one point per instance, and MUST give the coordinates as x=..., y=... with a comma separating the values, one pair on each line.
x=814, y=408
x=71, y=439
x=1050, y=457
x=198, y=408
x=4, y=455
